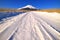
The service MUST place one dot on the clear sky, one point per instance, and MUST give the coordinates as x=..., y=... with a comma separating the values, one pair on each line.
x=42, y=4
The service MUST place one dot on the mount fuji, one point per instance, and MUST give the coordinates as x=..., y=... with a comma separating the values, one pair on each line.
x=28, y=7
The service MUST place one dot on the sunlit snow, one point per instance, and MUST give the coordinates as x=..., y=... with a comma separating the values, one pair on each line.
x=32, y=26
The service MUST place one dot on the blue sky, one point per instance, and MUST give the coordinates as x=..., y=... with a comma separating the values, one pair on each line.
x=42, y=4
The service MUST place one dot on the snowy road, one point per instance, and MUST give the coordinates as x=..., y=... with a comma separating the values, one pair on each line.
x=32, y=26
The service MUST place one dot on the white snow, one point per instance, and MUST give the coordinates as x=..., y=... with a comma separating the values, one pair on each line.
x=33, y=26
x=28, y=6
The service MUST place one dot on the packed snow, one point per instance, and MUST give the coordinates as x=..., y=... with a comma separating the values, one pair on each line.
x=32, y=26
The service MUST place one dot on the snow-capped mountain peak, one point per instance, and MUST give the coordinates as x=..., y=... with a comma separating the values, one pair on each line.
x=28, y=6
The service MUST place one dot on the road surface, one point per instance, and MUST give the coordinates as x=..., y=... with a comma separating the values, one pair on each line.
x=32, y=26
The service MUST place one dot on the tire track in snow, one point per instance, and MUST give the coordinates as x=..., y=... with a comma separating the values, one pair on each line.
x=31, y=27
x=45, y=18
x=23, y=30
x=44, y=32
x=36, y=29
x=48, y=28
x=11, y=29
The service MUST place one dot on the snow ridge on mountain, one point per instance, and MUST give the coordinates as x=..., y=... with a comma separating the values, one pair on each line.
x=28, y=6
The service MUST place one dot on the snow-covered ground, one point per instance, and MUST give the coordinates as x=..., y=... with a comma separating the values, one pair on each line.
x=32, y=26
